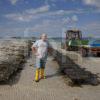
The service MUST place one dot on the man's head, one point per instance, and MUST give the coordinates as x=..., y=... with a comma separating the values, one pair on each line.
x=44, y=37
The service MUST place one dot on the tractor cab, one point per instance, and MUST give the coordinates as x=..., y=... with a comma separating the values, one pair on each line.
x=73, y=38
x=73, y=35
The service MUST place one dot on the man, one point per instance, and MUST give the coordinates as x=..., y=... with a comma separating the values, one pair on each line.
x=41, y=48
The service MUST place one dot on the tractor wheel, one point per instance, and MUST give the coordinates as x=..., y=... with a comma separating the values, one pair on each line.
x=84, y=52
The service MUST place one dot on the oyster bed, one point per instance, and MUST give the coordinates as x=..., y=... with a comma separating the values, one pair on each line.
x=13, y=53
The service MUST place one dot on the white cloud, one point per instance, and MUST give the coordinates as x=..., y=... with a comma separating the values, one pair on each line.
x=92, y=28
x=19, y=17
x=66, y=20
x=52, y=27
x=28, y=14
x=59, y=12
x=44, y=11
x=13, y=2
x=74, y=18
x=73, y=11
x=33, y=14
x=38, y=10
x=92, y=2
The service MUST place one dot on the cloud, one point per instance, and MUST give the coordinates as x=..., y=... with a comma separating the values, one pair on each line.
x=13, y=2
x=74, y=11
x=74, y=18
x=44, y=12
x=38, y=10
x=28, y=14
x=95, y=3
x=92, y=28
x=52, y=27
x=66, y=20
x=19, y=17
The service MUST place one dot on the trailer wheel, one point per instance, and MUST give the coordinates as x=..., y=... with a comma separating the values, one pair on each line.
x=98, y=54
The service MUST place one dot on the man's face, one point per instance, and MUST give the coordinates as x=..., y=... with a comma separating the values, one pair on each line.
x=44, y=37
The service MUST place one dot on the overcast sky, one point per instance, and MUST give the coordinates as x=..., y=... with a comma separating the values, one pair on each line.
x=33, y=17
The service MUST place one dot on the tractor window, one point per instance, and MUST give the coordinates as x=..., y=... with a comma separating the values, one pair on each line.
x=72, y=34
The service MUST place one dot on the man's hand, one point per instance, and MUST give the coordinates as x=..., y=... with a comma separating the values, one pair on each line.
x=34, y=50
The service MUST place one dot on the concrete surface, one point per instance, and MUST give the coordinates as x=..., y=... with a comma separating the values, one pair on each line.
x=22, y=87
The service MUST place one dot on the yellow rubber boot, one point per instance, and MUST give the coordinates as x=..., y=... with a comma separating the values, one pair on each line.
x=42, y=73
x=37, y=75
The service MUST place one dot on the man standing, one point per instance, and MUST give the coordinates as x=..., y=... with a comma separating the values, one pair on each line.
x=41, y=48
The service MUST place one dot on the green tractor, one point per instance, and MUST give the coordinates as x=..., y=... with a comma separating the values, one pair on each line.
x=74, y=42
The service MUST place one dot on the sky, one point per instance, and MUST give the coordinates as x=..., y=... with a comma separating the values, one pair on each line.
x=28, y=18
